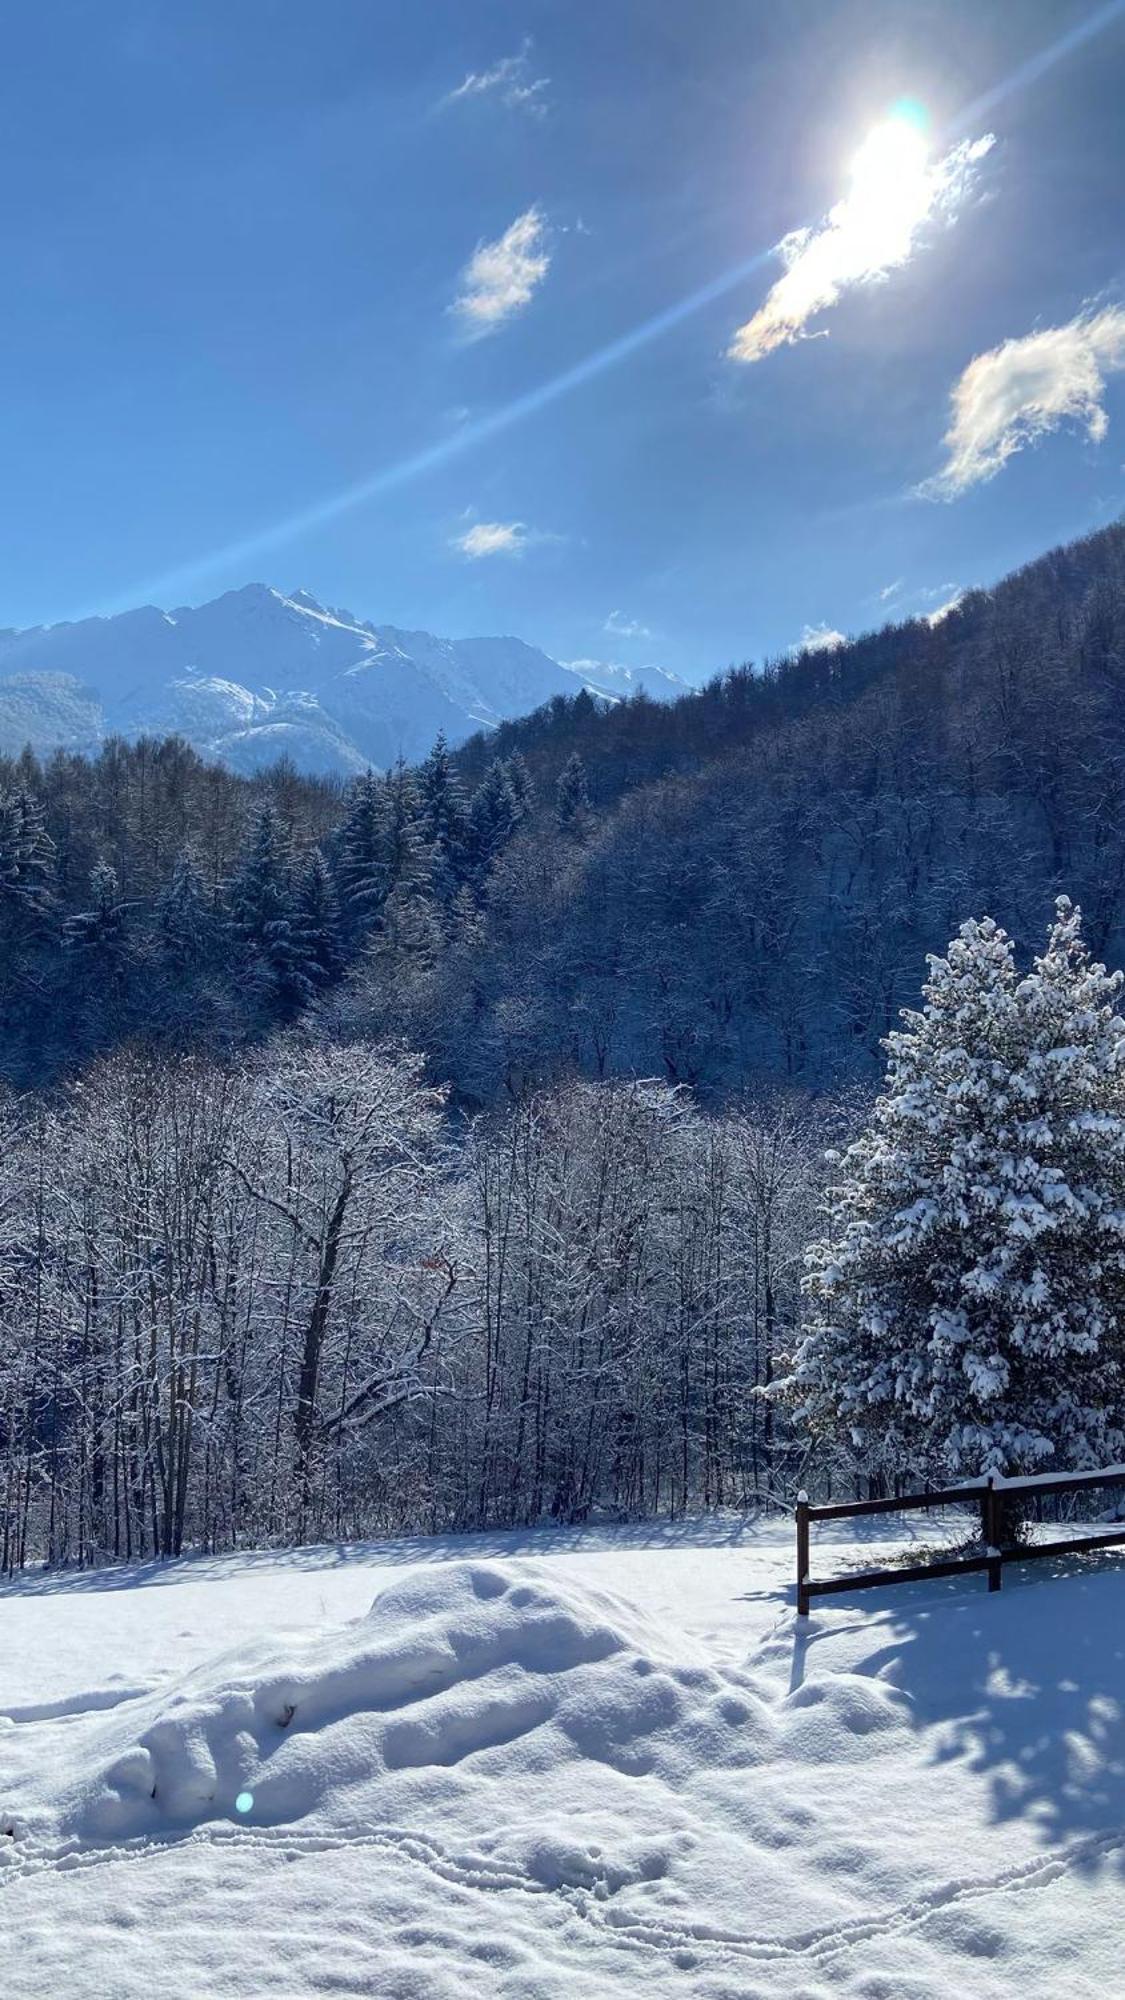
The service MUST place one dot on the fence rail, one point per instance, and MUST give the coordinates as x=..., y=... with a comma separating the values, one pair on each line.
x=990, y=1495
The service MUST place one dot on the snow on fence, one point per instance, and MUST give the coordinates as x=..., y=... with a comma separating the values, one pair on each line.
x=991, y=1495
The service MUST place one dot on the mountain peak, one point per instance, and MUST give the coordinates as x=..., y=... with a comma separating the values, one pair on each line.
x=254, y=674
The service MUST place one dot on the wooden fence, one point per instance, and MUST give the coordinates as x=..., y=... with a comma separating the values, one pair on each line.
x=990, y=1495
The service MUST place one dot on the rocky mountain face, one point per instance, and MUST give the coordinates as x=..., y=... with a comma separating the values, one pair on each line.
x=254, y=675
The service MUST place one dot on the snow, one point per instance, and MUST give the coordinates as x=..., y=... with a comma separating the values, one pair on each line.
x=210, y=673
x=1111, y=1474
x=563, y=1765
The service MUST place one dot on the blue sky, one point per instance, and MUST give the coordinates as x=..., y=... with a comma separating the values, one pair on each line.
x=470, y=315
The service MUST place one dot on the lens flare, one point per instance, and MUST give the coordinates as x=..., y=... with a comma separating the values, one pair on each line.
x=244, y=1803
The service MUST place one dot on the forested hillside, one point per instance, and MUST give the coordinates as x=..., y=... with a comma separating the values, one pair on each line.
x=737, y=887
x=265, y=1274
x=763, y=869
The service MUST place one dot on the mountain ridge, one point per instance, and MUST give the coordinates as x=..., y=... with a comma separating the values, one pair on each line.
x=254, y=675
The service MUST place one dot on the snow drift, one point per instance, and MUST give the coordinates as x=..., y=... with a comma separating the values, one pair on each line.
x=466, y=1662
x=498, y=1779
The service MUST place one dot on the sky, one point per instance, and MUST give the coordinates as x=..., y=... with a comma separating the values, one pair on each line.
x=667, y=332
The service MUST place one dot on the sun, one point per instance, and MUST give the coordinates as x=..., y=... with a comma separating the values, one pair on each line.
x=891, y=186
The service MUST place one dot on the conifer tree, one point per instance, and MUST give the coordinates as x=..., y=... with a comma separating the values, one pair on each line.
x=264, y=912
x=403, y=833
x=318, y=923
x=185, y=923
x=100, y=933
x=967, y=1304
x=26, y=868
x=35, y=859
x=493, y=814
x=522, y=784
x=362, y=874
x=443, y=811
x=572, y=799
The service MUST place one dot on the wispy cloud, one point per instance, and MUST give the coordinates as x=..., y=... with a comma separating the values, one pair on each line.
x=510, y=81
x=626, y=628
x=493, y=538
x=890, y=590
x=1018, y=392
x=942, y=611
x=501, y=278
x=819, y=639
x=896, y=192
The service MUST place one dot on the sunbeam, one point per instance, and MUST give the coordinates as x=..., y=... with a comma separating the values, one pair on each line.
x=495, y=423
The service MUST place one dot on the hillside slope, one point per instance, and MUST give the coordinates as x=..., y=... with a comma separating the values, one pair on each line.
x=766, y=865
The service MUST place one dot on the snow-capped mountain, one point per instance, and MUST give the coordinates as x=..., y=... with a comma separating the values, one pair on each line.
x=609, y=677
x=254, y=675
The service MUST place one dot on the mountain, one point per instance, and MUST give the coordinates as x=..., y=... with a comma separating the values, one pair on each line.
x=254, y=676
x=620, y=683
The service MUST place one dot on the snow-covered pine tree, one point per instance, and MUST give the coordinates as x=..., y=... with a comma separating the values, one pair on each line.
x=404, y=832
x=318, y=923
x=493, y=814
x=361, y=870
x=444, y=812
x=522, y=784
x=101, y=933
x=35, y=859
x=264, y=913
x=572, y=799
x=967, y=1305
x=186, y=925
x=26, y=868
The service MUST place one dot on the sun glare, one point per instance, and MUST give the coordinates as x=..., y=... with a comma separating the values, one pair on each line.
x=891, y=188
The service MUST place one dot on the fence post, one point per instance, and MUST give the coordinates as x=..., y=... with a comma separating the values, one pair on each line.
x=990, y=1518
x=802, y=1555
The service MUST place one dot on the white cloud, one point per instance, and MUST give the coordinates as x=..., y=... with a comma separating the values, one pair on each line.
x=501, y=277
x=819, y=639
x=1018, y=392
x=493, y=538
x=626, y=628
x=942, y=611
x=891, y=589
x=510, y=81
x=896, y=191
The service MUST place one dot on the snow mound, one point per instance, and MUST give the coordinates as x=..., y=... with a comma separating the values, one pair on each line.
x=464, y=1661
x=833, y=1717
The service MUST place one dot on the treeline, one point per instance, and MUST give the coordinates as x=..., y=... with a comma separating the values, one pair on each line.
x=287, y=1299
x=764, y=867
x=147, y=895
x=739, y=889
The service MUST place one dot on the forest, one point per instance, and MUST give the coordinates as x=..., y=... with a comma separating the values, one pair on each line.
x=442, y=1150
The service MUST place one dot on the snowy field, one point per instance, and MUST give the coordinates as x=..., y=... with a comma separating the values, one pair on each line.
x=565, y=1764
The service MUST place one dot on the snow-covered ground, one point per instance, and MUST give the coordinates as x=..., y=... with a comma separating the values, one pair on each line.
x=546, y=1766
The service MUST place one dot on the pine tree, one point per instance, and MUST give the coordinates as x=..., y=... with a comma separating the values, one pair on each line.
x=185, y=924
x=361, y=871
x=27, y=856
x=264, y=912
x=443, y=813
x=522, y=784
x=967, y=1306
x=403, y=832
x=572, y=799
x=101, y=933
x=493, y=814
x=35, y=860
x=318, y=923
